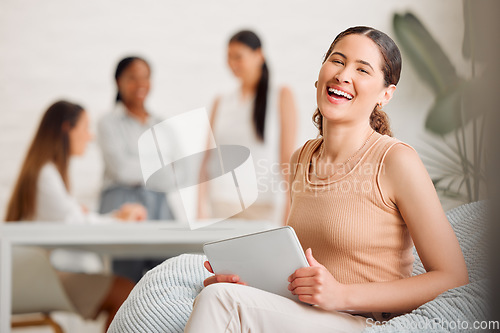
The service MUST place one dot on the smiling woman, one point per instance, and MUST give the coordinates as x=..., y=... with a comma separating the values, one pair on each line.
x=360, y=224
x=371, y=201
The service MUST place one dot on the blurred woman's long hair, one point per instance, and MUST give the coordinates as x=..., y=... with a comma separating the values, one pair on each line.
x=250, y=39
x=50, y=144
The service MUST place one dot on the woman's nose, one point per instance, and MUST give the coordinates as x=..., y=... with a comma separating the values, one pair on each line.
x=343, y=76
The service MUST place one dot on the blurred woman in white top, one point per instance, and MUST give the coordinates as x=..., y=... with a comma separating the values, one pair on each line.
x=118, y=133
x=42, y=193
x=259, y=116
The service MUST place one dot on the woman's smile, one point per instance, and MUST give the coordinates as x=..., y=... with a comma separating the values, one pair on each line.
x=336, y=95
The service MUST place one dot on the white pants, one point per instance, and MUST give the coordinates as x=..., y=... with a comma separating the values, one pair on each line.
x=225, y=307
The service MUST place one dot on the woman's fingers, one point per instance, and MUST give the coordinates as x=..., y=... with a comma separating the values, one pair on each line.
x=311, y=260
x=227, y=278
x=309, y=299
x=208, y=281
x=304, y=272
x=208, y=266
x=132, y=212
x=302, y=282
x=223, y=279
x=139, y=212
x=304, y=291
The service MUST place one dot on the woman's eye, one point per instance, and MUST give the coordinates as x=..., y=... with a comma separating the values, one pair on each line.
x=363, y=71
x=338, y=62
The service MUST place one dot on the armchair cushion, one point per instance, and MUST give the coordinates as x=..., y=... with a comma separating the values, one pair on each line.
x=456, y=309
x=162, y=300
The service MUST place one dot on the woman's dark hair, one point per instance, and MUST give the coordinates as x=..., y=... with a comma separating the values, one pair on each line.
x=122, y=66
x=50, y=144
x=391, y=69
x=250, y=39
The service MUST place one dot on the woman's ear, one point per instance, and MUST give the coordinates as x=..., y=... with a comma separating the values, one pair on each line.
x=387, y=95
x=118, y=83
x=260, y=54
x=65, y=127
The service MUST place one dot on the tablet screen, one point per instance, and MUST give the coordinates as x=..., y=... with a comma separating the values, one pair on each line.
x=263, y=260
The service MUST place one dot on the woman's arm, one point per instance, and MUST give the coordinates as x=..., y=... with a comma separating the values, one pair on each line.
x=53, y=202
x=288, y=130
x=405, y=182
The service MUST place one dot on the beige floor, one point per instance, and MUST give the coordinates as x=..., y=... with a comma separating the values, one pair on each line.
x=70, y=323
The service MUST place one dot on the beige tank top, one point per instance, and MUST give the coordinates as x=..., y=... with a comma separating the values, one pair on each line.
x=353, y=231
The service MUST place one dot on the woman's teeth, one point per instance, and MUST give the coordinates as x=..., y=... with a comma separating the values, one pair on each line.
x=339, y=93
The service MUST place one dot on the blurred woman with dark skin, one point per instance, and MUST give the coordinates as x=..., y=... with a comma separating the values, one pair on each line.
x=260, y=116
x=117, y=134
x=41, y=193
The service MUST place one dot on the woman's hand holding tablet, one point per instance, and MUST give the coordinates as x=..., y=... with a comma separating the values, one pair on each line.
x=217, y=278
x=262, y=260
x=316, y=285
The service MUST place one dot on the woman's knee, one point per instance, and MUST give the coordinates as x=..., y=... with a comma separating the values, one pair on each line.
x=218, y=293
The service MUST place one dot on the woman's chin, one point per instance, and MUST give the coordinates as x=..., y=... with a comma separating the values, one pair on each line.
x=136, y=100
x=78, y=153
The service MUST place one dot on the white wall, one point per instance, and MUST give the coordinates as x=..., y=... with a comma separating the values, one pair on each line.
x=69, y=49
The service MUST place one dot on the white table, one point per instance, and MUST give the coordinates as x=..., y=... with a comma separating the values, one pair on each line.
x=151, y=239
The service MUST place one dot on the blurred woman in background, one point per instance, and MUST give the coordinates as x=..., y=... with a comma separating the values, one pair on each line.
x=118, y=134
x=42, y=193
x=257, y=115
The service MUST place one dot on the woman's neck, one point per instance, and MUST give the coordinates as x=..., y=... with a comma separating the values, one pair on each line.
x=341, y=142
x=247, y=91
x=249, y=85
x=138, y=111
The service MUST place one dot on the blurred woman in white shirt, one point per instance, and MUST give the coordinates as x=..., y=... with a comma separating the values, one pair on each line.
x=41, y=193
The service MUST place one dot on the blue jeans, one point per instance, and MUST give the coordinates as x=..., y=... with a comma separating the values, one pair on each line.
x=158, y=209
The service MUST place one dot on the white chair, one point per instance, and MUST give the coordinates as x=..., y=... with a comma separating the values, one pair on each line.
x=36, y=288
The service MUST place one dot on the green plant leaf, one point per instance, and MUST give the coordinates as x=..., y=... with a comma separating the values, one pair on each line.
x=427, y=56
x=444, y=115
x=436, y=181
x=445, y=163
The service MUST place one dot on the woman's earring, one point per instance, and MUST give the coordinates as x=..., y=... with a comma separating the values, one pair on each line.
x=379, y=106
x=316, y=84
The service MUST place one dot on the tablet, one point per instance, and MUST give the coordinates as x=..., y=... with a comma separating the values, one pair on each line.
x=263, y=259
